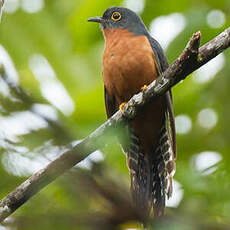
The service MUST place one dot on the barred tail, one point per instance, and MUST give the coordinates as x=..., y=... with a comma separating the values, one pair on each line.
x=140, y=171
x=151, y=174
x=163, y=169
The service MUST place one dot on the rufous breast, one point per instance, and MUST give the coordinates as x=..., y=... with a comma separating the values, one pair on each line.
x=128, y=63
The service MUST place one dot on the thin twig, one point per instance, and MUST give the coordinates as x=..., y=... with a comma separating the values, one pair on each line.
x=1, y=7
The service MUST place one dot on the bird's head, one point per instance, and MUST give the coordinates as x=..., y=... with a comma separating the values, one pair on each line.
x=121, y=18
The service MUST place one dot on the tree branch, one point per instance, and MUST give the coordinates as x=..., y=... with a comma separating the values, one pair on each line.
x=190, y=59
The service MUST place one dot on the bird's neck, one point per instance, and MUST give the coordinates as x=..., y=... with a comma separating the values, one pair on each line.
x=115, y=36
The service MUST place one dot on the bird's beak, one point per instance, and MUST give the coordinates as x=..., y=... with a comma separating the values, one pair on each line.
x=96, y=19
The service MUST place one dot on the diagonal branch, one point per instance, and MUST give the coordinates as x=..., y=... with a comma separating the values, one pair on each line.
x=190, y=59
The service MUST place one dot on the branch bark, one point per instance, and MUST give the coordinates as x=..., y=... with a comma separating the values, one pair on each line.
x=190, y=60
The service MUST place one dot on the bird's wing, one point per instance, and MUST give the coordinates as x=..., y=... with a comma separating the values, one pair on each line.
x=111, y=107
x=110, y=104
x=162, y=65
x=159, y=54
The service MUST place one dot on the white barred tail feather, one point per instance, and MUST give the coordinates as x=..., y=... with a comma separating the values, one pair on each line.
x=151, y=173
x=139, y=173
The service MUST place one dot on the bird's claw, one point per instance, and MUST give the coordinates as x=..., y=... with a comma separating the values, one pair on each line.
x=122, y=106
x=144, y=87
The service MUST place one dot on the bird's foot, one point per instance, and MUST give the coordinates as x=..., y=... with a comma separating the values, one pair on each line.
x=144, y=87
x=122, y=106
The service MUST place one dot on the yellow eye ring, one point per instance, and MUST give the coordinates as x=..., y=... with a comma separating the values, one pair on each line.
x=116, y=16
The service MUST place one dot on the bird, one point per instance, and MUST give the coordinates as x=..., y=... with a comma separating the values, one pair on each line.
x=132, y=59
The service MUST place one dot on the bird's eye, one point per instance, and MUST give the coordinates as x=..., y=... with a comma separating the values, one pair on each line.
x=116, y=16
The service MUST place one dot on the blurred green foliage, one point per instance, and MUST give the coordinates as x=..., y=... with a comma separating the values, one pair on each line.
x=74, y=49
